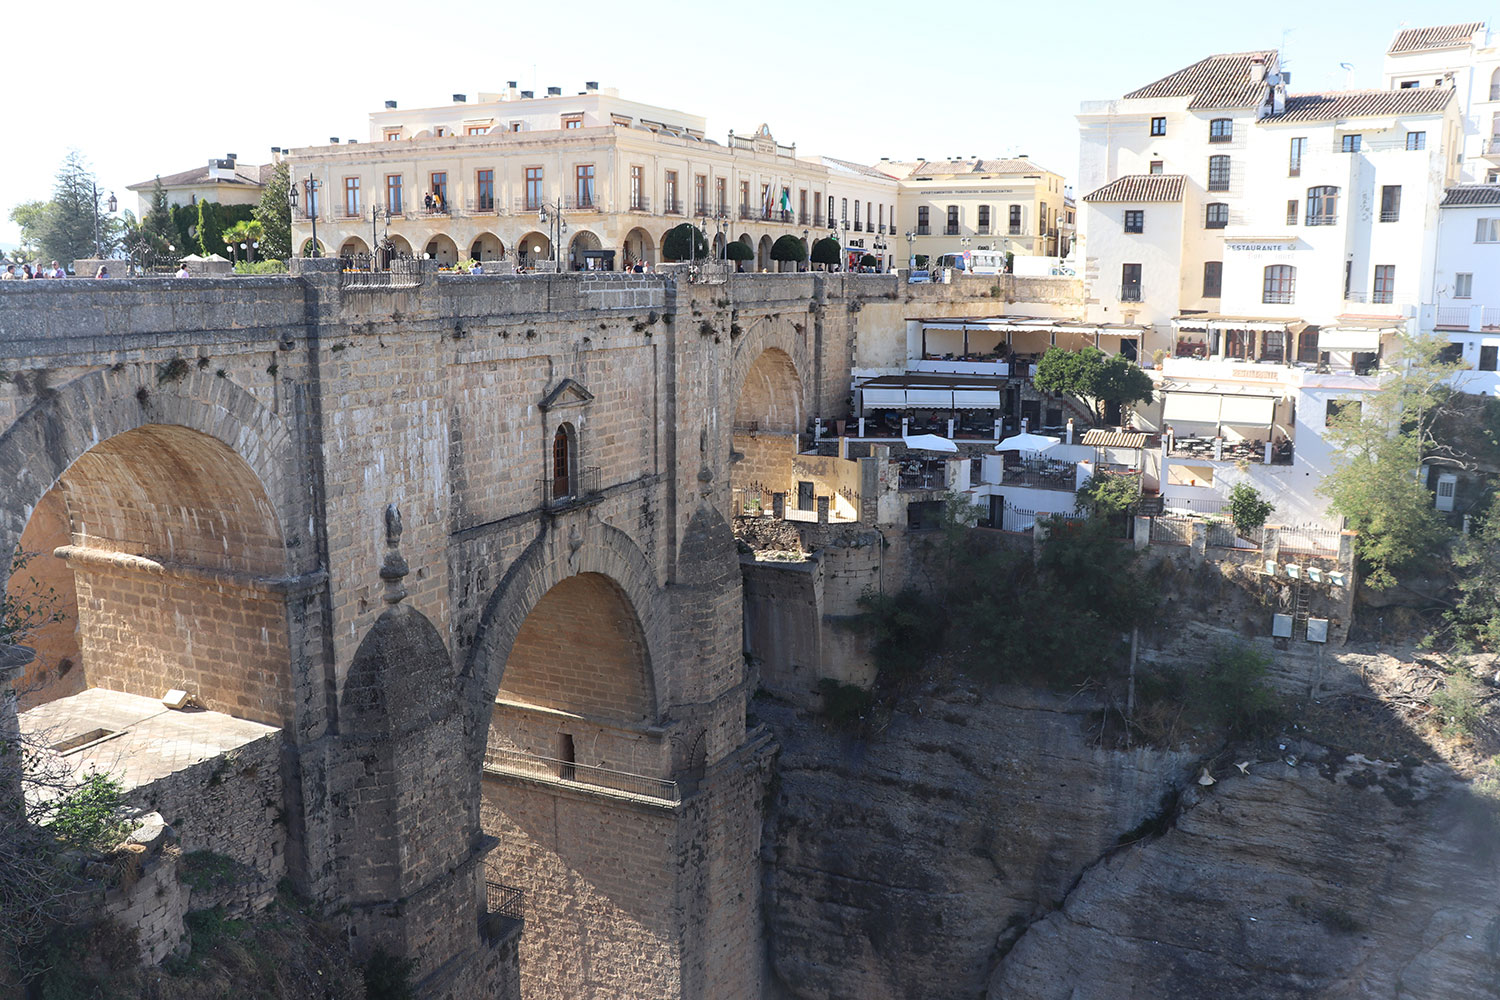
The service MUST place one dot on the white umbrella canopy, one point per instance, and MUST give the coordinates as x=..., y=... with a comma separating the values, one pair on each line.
x=1028, y=442
x=929, y=442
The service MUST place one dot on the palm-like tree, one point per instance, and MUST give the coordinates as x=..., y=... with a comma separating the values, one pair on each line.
x=248, y=232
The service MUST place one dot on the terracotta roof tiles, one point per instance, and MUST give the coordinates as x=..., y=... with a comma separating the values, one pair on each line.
x=1443, y=36
x=1138, y=188
x=1471, y=194
x=1334, y=105
x=1219, y=81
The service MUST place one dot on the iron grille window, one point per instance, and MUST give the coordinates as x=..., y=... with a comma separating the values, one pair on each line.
x=1130, y=283
x=1213, y=279
x=1221, y=130
x=1215, y=215
x=1390, y=203
x=1135, y=220
x=1280, y=285
x=1322, y=206
x=1015, y=220
x=1385, y=283
x=583, y=183
x=1218, y=173
x=1291, y=211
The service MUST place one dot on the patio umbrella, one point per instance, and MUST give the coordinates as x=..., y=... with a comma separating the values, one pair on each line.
x=1038, y=443
x=929, y=442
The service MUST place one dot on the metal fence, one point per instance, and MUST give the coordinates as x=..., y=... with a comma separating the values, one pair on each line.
x=520, y=762
x=1222, y=534
x=1309, y=541
x=365, y=270
x=1172, y=530
x=1017, y=519
x=504, y=900
x=1195, y=504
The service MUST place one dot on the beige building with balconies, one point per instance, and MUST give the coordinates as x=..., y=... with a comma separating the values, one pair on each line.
x=603, y=178
x=1008, y=205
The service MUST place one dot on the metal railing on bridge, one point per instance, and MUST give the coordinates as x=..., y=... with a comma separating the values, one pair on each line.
x=503, y=761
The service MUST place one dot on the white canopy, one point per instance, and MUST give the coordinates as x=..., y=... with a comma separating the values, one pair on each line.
x=1028, y=442
x=929, y=442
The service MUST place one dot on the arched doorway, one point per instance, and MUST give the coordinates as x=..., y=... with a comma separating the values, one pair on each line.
x=164, y=539
x=583, y=243
x=442, y=249
x=487, y=246
x=400, y=246
x=639, y=246
x=718, y=246
x=307, y=249
x=352, y=246
x=767, y=419
x=763, y=260
x=532, y=249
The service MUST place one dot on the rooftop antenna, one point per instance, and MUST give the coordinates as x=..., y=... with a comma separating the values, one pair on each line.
x=1282, y=57
x=1348, y=69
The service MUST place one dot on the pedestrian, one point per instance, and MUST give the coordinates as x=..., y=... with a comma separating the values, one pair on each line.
x=183, y=272
x=57, y=271
x=427, y=201
x=478, y=267
x=10, y=273
x=26, y=274
x=103, y=271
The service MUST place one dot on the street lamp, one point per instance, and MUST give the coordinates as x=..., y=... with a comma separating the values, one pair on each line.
x=98, y=248
x=554, y=223
x=312, y=206
x=911, y=253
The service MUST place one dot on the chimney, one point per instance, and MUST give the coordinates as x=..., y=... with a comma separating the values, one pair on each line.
x=591, y=85
x=350, y=142
x=460, y=98
x=527, y=95
x=554, y=91
x=390, y=104
x=275, y=154
x=1286, y=78
x=511, y=84
x=1257, y=69
x=231, y=157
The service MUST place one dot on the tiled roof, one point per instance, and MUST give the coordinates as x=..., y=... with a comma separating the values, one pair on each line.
x=948, y=168
x=854, y=168
x=1140, y=187
x=1221, y=81
x=1443, y=36
x=1362, y=103
x=1099, y=438
x=244, y=173
x=1471, y=194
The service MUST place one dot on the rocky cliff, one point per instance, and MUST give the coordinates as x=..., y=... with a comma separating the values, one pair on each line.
x=972, y=849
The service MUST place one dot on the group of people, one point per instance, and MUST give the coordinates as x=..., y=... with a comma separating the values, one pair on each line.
x=26, y=273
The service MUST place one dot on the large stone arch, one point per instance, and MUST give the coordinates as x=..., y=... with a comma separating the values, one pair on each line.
x=770, y=403
x=583, y=239
x=638, y=246
x=487, y=246
x=65, y=423
x=353, y=245
x=441, y=248
x=169, y=548
x=561, y=552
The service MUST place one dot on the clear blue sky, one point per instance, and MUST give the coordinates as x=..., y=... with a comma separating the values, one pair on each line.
x=127, y=86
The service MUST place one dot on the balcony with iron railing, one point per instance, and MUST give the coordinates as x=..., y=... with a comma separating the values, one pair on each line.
x=640, y=203
x=951, y=230
x=804, y=218
x=1491, y=148
x=504, y=908
x=1130, y=293
x=924, y=230
x=484, y=205
x=525, y=204
x=856, y=226
x=586, y=202
x=817, y=220
x=671, y=206
x=502, y=762
x=578, y=489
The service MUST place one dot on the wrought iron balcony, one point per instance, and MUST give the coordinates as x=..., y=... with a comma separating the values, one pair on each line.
x=671, y=206
x=640, y=203
x=1130, y=293
x=576, y=490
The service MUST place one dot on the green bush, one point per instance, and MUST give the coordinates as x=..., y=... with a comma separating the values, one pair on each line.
x=1231, y=693
x=868, y=260
x=388, y=977
x=87, y=816
x=1459, y=705
x=735, y=250
x=684, y=242
x=260, y=267
x=1248, y=509
x=790, y=249
x=826, y=251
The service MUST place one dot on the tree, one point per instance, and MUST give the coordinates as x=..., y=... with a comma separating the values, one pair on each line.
x=684, y=242
x=827, y=252
x=1476, y=617
x=249, y=233
x=1380, y=444
x=1093, y=376
x=1248, y=509
x=738, y=252
x=157, y=230
x=789, y=249
x=63, y=228
x=274, y=213
x=1107, y=494
x=868, y=260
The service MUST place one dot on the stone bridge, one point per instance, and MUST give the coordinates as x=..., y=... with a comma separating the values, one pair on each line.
x=534, y=673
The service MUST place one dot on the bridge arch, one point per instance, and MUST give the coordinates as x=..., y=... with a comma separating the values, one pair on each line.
x=769, y=413
x=169, y=516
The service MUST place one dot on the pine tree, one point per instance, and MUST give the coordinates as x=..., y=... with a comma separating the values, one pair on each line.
x=274, y=213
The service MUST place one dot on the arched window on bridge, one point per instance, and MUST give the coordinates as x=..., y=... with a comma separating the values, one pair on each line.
x=564, y=461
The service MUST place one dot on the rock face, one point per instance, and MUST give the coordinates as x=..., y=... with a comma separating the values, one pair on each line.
x=903, y=866
x=970, y=850
x=1335, y=878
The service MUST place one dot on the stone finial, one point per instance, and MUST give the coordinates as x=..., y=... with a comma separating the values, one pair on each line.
x=393, y=568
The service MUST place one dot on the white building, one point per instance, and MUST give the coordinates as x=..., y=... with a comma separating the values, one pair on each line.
x=1464, y=59
x=1463, y=301
x=1275, y=244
